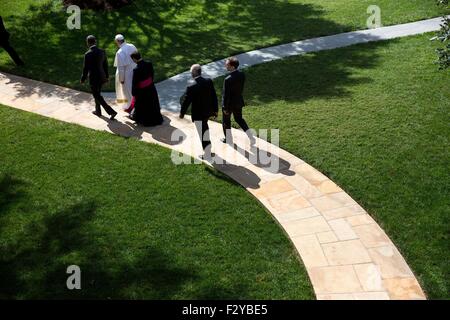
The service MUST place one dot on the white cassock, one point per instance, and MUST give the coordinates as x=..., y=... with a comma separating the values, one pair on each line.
x=124, y=73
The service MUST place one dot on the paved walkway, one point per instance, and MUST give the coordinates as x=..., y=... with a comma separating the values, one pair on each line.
x=346, y=254
x=171, y=89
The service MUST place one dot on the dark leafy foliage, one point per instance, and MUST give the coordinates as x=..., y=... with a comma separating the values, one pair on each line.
x=98, y=4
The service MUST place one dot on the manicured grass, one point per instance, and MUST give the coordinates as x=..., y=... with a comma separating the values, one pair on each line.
x=179, y=33
x=374, y=118
x=137, y=225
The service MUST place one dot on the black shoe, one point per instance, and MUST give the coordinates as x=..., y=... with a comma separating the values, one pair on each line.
x=207, y=156
x=224, y=140
x=113, y=116
x=95, y=113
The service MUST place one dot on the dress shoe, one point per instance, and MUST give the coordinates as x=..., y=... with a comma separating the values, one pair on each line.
x=224, y=140
x=207, y=156
x=113, y=116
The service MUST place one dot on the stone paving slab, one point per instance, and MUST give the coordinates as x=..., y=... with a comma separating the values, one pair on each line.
x=345, y=252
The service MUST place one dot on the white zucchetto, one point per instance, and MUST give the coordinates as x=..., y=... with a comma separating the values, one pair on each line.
x=119, y=37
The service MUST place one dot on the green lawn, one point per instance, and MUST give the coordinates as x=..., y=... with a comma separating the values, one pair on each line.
x=175, y=34
x=137, y=225
x=374, y=118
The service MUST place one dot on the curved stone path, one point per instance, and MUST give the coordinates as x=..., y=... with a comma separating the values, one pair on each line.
x=346, y=254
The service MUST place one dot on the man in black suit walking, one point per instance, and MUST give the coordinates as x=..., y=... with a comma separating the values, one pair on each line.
x=96, y=67
x=4, y=42
x=233, y=101
x=202, y=95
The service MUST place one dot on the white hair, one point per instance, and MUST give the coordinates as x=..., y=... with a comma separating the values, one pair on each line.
x=196, y=70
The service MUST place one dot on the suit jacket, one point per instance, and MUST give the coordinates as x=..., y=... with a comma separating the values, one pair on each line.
x=4, y=35
x=202, y=95
x=233, y=88
x=95, y=66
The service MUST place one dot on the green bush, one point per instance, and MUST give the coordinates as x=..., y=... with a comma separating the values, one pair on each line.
x=444, y=36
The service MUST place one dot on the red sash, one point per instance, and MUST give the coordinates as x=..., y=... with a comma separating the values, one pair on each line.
x=140, y=85
x=145, y=83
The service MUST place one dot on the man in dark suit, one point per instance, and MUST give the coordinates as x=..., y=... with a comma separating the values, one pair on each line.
x=4, y=42
x=233, y=101
x=96, y=68
x=202, y=95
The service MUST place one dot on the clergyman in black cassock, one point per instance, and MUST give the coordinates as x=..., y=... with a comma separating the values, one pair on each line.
x=233, y=101
x=147, y=110
x=96, y=68
x=203, y=98
x=4, y=42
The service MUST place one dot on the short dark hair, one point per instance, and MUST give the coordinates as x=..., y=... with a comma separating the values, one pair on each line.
x=91, y=40
x=136, y=55
x=234, y=62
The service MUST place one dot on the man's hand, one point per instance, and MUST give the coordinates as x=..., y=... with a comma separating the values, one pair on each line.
x=181, y=116
x=214, y=115
x=82, y=81
x=225, y=112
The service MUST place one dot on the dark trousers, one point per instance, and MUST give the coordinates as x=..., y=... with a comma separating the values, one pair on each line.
x=226, y=121
x=96, y=90
x=203, y=132
x=12, y=53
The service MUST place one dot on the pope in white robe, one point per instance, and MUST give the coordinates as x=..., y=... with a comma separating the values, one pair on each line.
x=124, y=72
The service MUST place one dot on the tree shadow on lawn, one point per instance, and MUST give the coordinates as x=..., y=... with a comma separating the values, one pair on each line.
x=172, y=34
x=63, y=238
x=324, y=74
x=33, y=265
x=11, y=191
